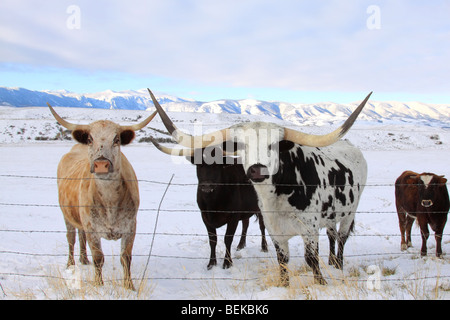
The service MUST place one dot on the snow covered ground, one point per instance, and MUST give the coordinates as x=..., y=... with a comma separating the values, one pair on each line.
x=171, y=263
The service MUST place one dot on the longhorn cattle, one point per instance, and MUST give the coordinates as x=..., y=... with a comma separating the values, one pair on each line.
x=304, y=182
x=225, y=196
x=422, y=197
x=98, y=191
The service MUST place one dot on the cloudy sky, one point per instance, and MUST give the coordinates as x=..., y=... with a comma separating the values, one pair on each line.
x=294, y=51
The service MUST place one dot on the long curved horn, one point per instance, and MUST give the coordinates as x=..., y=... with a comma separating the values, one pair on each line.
x=139, y=126
x=171, y=151
x=64, y=123
x=327, y=139
x=187, y=140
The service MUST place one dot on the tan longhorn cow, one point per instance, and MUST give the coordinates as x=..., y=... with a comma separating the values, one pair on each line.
x=98, y=191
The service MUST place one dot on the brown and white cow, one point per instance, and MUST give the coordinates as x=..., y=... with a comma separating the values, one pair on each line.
x=422, y=197
x=98, y=191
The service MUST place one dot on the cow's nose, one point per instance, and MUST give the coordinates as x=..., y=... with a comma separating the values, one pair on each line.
x=427, y=203
x=258, y=173
x=206, y=188
x=102, y=166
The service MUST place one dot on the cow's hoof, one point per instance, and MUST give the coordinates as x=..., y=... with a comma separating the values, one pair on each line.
x=211, y=265
x=320, y=280
x=284, y=282
x=128, y=284
x=227, y=264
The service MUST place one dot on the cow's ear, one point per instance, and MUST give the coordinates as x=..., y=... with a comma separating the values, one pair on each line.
x=412, y=180
x=285, y=145
x=191, y=159
x=82, y=136
x=442, y=180
x=126, y=136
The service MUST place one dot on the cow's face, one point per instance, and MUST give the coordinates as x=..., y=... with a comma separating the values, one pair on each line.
x=103, y=139
x=214, y=175
x=428, y=186
x=209, y=177
x=258, y=145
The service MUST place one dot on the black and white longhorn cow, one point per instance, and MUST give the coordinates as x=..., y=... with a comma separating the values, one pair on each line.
x=304, y=182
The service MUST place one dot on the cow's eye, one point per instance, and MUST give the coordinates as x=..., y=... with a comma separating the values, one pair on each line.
x=117, y=140
x=89, y=140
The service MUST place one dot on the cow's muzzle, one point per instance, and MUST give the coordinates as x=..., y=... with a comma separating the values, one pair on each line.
x=102, y=166
x=427, y=203
x=258, y=173
x=207, y=187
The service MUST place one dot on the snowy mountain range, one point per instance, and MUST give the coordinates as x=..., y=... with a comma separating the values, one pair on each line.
x=325, y=112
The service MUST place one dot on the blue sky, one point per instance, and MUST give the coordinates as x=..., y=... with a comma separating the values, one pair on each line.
x=293, y=51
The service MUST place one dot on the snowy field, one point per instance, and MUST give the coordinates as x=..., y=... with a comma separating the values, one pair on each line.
x=171, y=249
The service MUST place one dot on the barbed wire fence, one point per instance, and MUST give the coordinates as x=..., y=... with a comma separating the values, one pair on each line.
x=155, y=233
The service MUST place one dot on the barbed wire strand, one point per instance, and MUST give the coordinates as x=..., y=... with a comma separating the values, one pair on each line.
x=329, y=278
x=171, y=234
x=208, y=211
x=160, y=256
x=196, y=183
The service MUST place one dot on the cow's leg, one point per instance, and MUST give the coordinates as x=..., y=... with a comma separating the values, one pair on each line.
x=409, y=223
x=242, y=242
x=332, y=235
x=212, y=235
x=345, y=228
x=229, y=235
x=438, y=232
x=71, y=236
x=402, y=218
x=425, y=234
x=282, y=249
x=312, y=258
x=83, y=254
x=438, y=237
x=125, y=258
x=262, y=227
x=95, y=245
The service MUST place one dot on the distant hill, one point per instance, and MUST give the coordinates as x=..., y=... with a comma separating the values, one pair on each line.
x=324, y=112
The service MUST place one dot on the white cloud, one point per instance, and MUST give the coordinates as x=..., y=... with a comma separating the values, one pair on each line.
x=296, y=45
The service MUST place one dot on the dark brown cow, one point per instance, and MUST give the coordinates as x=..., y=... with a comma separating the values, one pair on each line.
x=423, y=197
